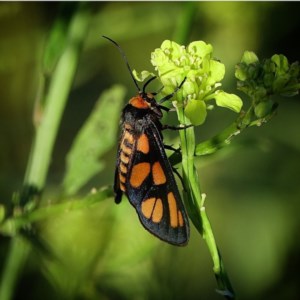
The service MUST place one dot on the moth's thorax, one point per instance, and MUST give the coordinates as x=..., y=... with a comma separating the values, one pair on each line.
x=140, y=102
x=145, y=104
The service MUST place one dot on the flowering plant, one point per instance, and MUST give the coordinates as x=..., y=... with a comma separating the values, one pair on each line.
x=202, y=74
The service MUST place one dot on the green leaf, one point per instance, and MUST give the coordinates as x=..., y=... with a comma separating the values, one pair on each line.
x=217, y=71
x=249, y=57
x=141, y=76
x=230, y=101
x=241, y=72
x=196, y=111
x=281, y=62
x=280, y=82
x=95, y=138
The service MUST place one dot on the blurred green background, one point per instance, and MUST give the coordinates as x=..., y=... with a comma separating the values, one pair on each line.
x=252, y=186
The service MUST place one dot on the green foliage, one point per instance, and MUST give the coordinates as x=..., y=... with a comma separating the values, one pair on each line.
x=201, y=75
x=2, y=213
x=96, y=137
x=261, y=80
x=13, y=225
x=55, y=45
x=87, y=247
x=230, y=101
x=55, y=99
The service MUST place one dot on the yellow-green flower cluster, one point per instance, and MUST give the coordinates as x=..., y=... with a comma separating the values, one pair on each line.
x=263, y=79
x=202, y=75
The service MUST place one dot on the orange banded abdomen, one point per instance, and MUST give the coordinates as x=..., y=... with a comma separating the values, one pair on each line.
x=126, y=149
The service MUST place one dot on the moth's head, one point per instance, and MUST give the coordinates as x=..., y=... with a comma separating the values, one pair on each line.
x=146, y=101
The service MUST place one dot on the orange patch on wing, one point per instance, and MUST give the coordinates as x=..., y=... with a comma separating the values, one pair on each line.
x=157, y=211
x=158, y=174
x=180, y=219
x=139, y=174
x=152, y=208
x=172, y=210
x=139, y=102
x=143, y=144
x=147, y=207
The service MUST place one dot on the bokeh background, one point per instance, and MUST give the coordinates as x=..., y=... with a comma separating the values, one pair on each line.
x=252, y=186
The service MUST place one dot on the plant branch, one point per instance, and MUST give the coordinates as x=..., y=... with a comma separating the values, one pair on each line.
x=40, y=157
x=194, y=201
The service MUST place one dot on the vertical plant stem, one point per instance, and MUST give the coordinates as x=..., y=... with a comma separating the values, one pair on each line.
x=40, y=157
x=55, y=102
x=224, y=285
x=196, y=209
x=185, y=22
x=19, y=250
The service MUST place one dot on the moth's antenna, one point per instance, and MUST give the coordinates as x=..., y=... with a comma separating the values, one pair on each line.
x=125, y=59
x=145, y=85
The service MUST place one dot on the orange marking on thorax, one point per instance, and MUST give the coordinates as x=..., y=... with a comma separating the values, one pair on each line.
x=143, y=144
x=139, y=174
x=139, y=102
x=173, y=210
x=158, y=174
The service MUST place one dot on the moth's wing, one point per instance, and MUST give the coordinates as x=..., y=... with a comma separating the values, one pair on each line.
x=152, y=190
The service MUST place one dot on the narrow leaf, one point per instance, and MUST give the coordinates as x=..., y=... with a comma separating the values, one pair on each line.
x=95, y=138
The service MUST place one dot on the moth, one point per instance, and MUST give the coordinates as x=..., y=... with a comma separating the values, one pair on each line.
x=143, y=172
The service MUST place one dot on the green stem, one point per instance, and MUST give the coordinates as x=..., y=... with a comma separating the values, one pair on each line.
x=55, y=102
x=12, y=225
x=210, y=240
x=223, y=282
x=40, y=156
x=194, y=201
x=190, y=179
x=185, y=22
x=19, y=250
x=225, y=136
